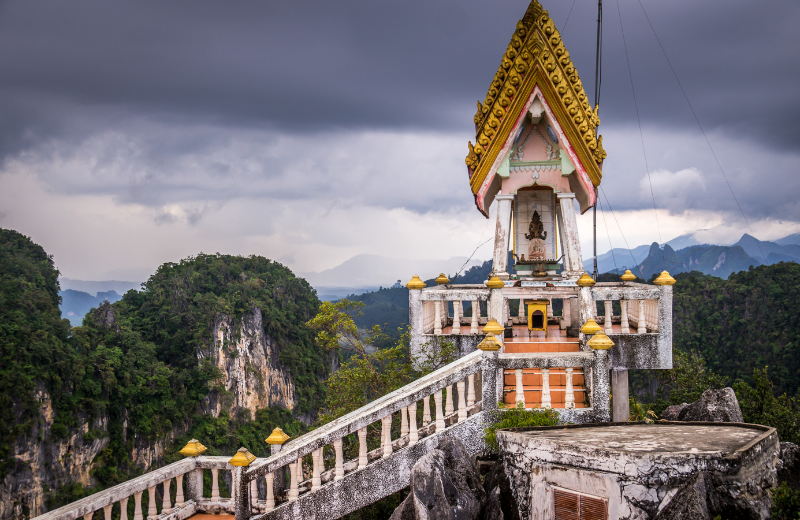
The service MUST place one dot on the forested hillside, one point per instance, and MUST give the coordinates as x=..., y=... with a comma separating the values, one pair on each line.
x=87, y=407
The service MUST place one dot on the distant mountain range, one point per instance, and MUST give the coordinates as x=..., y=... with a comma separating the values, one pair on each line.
x=75, y=304
x=684, y=254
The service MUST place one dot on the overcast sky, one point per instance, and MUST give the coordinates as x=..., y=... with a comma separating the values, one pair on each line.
x=311, y=131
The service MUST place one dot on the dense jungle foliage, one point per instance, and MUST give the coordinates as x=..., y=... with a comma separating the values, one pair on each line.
x=135, y=361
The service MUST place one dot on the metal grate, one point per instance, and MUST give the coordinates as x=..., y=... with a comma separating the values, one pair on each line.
x=569, y=505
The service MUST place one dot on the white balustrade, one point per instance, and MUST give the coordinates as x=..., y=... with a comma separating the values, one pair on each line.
x=166, y=507
x=152, y=512
x=179, y=500
x=214, y=484
x=520, y=391
x=362, y=448
x=549, y=308
x=270, y=502
x=403, y=421
x=426, y=411
x=316, y=481
x=428, y=317
x=88, y=516
x=457, y=317
x=339, y=471
x=607, y=317
x=437, y=320
x=509, y=323
x=470, y=389
x=623, y=317
x=123, y=509
x=462, y=402
x=448, y=404
x=546, y=401
x=521, y=312
x=253, y=492
x=386, y=437
x=137, y=506
x=437, y=398
x=569, y=396
x=641, y=320
x=293, y=491
x=476, y=314
x=413, y=434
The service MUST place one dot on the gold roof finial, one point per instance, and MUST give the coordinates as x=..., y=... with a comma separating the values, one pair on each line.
x=591, y=327
x=600, y=342
x=628, y=276
x=193, y=448
x=442, y=279
x=277, y=437
x=664, y=279
x=585, y=281
x=489, y=343
x=492, y=327
x=495, y=283
x=242, y=458
x=415, y=283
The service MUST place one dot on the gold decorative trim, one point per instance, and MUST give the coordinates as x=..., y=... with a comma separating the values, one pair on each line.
x=664, y=279
x=442, y=279
x=490, y=343
x=585, y=281
x=600, y=342
x=277, y=437
x=193, y=448
x=415, y=283
x=591, y=327
x=242, y=458
x=535, y=56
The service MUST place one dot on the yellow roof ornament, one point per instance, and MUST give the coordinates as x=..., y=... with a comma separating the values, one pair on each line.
x=495, y=283
x=628, y=276
x=591, y=327
x=664, y=279
x=492, y=327
x=193, y=448
x=585, y=281
x=600, y=342
x=242, y=458
x=442, y=279
x=277, y=437
x=489, y=343
x=415, y=283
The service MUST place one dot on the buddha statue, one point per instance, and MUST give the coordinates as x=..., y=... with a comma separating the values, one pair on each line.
x=537, y=235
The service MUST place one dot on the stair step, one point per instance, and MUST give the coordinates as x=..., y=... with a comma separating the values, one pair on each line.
x=525, y=347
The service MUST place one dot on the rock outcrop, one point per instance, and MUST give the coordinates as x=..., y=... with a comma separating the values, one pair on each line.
x=789, y=465
x=445, y=485
x=713, y=406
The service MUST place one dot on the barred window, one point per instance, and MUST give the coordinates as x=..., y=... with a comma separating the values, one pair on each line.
x=570, y=505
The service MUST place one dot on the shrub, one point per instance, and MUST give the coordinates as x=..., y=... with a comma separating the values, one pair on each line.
x=517, y=417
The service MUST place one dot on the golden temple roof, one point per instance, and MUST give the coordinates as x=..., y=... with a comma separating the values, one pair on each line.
x=535, y=57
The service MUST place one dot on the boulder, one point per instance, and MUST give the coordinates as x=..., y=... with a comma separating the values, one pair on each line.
x=671, y=413
x=714, y=406
x=789, y=465
x=445, y=485
x=500, y=502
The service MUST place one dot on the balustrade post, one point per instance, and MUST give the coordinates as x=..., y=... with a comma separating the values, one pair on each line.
x=457, y=317
x=549, y=308
x=509, y=321
x=152, y=511
x=270, y=502
x=416, y=316
x=241, y=489
x=489, y=381
x=293, y=491
x=403, y=421
x=413, y=433
x=179, y=491
x=437, y=318
x=253, y=492
x=642, y=319
x=476, y=314
x=566, y=313
x=437, y=398
x=107, y=512
x=362, y=448
x=338, y=473
x=521, y=312
x=585, y=307
x=214, y=484
x=519, y=395
x=470, y=389
x=316, y=481
x=194, y=485
x=386, y=441
x=426, y=410
x=165, y=505
x=88, y=516
x=569, y=397
x=607, y=318
x=448, y=402
x=546, y=401
x=462, y=402
x=600, y=386
x=123, y=509
x=137, y=506
x=623, y=317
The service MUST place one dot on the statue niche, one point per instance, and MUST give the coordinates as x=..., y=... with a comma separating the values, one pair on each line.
x=537, y=235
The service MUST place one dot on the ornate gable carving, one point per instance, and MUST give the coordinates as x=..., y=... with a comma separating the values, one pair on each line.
x=535, y=56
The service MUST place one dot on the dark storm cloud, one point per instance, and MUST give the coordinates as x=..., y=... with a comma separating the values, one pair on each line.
x=69, y=67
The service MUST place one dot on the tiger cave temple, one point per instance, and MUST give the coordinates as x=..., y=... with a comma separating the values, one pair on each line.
x=539, y=334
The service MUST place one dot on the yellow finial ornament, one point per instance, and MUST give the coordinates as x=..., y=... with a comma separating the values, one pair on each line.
x=277, y=437
x=600, y=342
x=489, y=343
x=628, y=276
x=492, y=327
x=193, y=448
x=442, y=279
x=495, y=283
x=664, y=279
x=585, y=281
x=415, y=283
x=591, y=327
x=242, y=458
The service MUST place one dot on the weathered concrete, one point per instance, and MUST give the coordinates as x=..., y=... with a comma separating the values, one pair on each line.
x=572, y=243
x=637, y=467
x=637, y=351
x=545, y=360
x=619, y=393
x=501, y=236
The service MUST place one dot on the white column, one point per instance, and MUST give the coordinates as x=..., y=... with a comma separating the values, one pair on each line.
x=607, y=318
x=107, y=512
x=253, y=492
x=566, y=312
x=509, y=321
x=448, y=403
x=362, y=448
x=521, y=312
x=520, y=392
x=137, y=506
x=386, y=442
x=152, y=511
x=642, y=325
x=338, y=473
x=403, y=422
x=123, y=508
x=550, y=308
x=437, y=397
x=623, y=316
x=561, y=241
x=293, y=491
x=214, y=485
x=501, y=236
x=546, y=388
x=88, y=516
x=413, y=433
x=462, y=402
x=437, y=319
x=316, y=481
x=569, y=397
x=179, y=500
x=165, y=505
x=234, y=489
x=573, y=261
x=470, y=389
x=270, y=502
x=426, y=410
x=457, y=317
x=476, y=313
